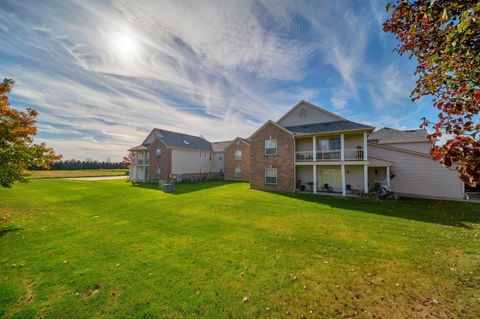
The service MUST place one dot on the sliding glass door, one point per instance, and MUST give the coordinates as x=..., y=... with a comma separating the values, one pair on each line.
x=329, y=178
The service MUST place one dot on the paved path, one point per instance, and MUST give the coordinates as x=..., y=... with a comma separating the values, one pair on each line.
x=99, y=178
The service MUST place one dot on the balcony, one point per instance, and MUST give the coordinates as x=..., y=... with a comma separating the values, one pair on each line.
x=329, y=156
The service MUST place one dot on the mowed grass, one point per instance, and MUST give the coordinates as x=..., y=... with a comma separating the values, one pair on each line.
x=107, y=249
x=76, y=173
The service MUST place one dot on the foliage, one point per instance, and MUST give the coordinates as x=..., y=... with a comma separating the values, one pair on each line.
x=73, y=164
x=443, y=36
x=17, y=150
x=77, y=249
x=127, y=161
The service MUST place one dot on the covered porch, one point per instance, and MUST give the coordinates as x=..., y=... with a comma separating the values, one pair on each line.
x=139, y=166
x=342, y=179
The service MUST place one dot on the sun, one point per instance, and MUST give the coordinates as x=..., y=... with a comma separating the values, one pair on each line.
x=125, y=46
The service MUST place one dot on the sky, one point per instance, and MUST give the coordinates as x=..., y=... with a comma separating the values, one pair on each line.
x=102, y=74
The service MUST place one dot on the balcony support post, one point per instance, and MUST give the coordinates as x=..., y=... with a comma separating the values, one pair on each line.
x=388, y=176
x=314, y=178
x=365, y=153
x=314, y=141
x=365, y=178
x=344, y=186
x=342, y=147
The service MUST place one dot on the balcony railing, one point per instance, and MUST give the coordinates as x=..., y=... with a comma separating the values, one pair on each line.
x=142, y=161
x=334, y=155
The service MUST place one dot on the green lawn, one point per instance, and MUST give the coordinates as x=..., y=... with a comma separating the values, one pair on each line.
x=76, y=173
x=107, y=249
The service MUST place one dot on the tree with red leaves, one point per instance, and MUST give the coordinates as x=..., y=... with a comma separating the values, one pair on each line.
x=127, y=161
x=444, y=37
x=17, y=150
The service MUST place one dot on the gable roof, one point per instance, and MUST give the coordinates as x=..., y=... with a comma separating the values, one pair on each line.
x=308, y=104
x=265, y=124
x=180, y=140
x=220, y=146
x=388, y=135
x=327, y=127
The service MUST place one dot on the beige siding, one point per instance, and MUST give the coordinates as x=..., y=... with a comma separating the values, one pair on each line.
x=419, y=175
x=304, y=144
x=354, y=177
x=309, y=115
x=190, y=162
x=423, y=147
x=352, y=141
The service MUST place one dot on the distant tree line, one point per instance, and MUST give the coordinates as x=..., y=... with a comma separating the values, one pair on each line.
x=76, y=164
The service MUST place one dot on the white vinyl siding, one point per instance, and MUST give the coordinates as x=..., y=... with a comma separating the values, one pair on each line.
x=271, y=175
x=271, y=147
x=188, y=162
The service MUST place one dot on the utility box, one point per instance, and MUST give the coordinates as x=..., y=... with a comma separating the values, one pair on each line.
x=168, y=188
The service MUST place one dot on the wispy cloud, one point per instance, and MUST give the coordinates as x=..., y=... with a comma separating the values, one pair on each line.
x=103, y=74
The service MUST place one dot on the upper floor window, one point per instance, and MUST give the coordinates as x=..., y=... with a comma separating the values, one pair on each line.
x=331, y=144
x=238, y=155
x=238, y=171
x=158, y=153
x=271, y=175
x=271, y=147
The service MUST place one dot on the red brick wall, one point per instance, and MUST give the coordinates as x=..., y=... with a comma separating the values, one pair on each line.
x=230, y=163
x=283, y=161
x=165, y=161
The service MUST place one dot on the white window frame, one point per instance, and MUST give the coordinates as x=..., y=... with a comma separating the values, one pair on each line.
x=158, y=172
x=238, y=157
x=238, y=171
x=158, y=153
x=267, y=175
x=271, y=140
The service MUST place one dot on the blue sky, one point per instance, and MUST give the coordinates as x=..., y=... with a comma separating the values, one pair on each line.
x=103, y=74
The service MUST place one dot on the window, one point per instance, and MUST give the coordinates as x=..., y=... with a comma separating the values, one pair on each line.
x=209, y=156
x=158, y=172
x=238, y=155
x=238, y=171
x=271, y=147
x=331, y=144
x=220, y=157
x=271, y=175
x=158, y=153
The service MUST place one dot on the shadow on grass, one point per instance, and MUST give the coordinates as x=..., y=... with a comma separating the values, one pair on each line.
x=185, y=188
x=4, y=231
x=448, y=213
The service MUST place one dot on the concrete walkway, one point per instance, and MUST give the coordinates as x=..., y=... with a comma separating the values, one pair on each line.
x=99, y=178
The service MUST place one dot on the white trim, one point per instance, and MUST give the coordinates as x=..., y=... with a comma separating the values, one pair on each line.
x=314, y=178
x=314, y=139
x=365, y=179
x=332, y=132
x=342, y=147
x=344, y=186
x=365, y=146
x=388, y=176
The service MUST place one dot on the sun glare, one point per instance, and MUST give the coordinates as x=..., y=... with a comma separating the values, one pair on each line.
x=125, y=46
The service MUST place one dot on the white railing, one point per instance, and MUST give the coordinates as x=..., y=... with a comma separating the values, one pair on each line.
x=305, y=156
x=335, y=155
x=354, y=155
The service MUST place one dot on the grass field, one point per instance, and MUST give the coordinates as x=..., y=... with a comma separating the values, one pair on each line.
x=107, y=249
x=76, y=173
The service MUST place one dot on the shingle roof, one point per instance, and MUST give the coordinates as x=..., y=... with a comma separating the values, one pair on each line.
x=326, y=127
x=220, y=146
x=181, y=140
x=388, y=135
